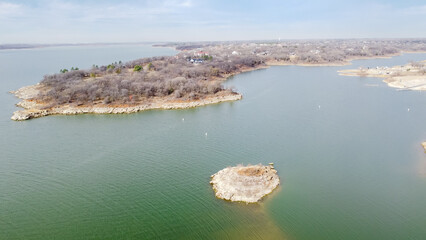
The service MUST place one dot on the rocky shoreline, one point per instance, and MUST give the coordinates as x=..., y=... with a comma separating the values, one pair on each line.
x=32, y=109
x=245, y=183
x=405, y=77
x=408, y=77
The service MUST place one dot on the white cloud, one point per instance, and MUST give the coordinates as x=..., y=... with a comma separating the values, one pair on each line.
x=58, y=20
x=93, y=12
x=162, y=10
x=68, y=21
x=417, y=10
x=10, y=9
x=185, y=3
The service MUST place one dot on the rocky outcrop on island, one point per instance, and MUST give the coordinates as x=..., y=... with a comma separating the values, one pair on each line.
x=245, y=183
x=34, y=109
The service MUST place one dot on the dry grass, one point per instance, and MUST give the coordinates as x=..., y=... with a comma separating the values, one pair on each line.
x=251, y=171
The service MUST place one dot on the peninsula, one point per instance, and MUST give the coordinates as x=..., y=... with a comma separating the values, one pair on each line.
x=411, y=76
x=245, y=183
x=191, y=78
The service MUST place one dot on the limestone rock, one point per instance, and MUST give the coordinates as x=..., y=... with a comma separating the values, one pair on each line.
x=245, y=183
x=34, y=109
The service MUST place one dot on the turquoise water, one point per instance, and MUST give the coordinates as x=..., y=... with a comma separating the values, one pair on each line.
x=352, y=168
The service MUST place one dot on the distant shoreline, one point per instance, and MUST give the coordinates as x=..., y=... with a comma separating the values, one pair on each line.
x=35, y=46
x=172, y=72
x=33, y=110
x=337, y=64
x=411, y=76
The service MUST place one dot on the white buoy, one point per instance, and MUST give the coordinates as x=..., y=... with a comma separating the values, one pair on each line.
x=408, y=109
x=206, y=134
x=183, y=119
x=319, y=106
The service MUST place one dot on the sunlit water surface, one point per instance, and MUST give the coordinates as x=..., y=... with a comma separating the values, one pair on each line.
x=346, y=149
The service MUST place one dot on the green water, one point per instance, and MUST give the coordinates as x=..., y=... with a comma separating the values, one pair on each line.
x=352, y=168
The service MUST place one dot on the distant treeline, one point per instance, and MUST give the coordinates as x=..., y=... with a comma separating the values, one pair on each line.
x=26, y=46
x=16, y=46
x=312, y=51
x=182, y=77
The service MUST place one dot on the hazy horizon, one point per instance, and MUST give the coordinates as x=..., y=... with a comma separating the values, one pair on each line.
x=204, y=41
x=53, y=22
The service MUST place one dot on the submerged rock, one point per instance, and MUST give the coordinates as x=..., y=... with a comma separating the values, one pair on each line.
x=245, y=183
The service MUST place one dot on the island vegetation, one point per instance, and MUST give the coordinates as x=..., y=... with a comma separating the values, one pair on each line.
x=193, y=77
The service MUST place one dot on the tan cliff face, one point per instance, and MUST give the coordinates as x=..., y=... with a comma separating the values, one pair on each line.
x=245, y=183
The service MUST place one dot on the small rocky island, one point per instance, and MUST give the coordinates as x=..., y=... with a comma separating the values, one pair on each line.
x=245, y=183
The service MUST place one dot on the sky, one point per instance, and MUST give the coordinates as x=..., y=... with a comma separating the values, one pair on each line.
x=90, y=21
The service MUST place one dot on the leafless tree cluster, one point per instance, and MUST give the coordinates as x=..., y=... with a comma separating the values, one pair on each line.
x=310, y=51
x=179, y=77
x=419, y=66
x=160, y=76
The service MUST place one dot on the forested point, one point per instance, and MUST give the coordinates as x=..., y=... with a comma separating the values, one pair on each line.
x=199, y=68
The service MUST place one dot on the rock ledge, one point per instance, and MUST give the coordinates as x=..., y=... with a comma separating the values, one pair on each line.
x=33, y=109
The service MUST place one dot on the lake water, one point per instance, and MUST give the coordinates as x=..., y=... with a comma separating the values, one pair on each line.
x=346, y=149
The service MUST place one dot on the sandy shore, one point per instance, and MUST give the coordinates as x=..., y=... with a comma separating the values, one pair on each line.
x=409, y=76
x=32, y=109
